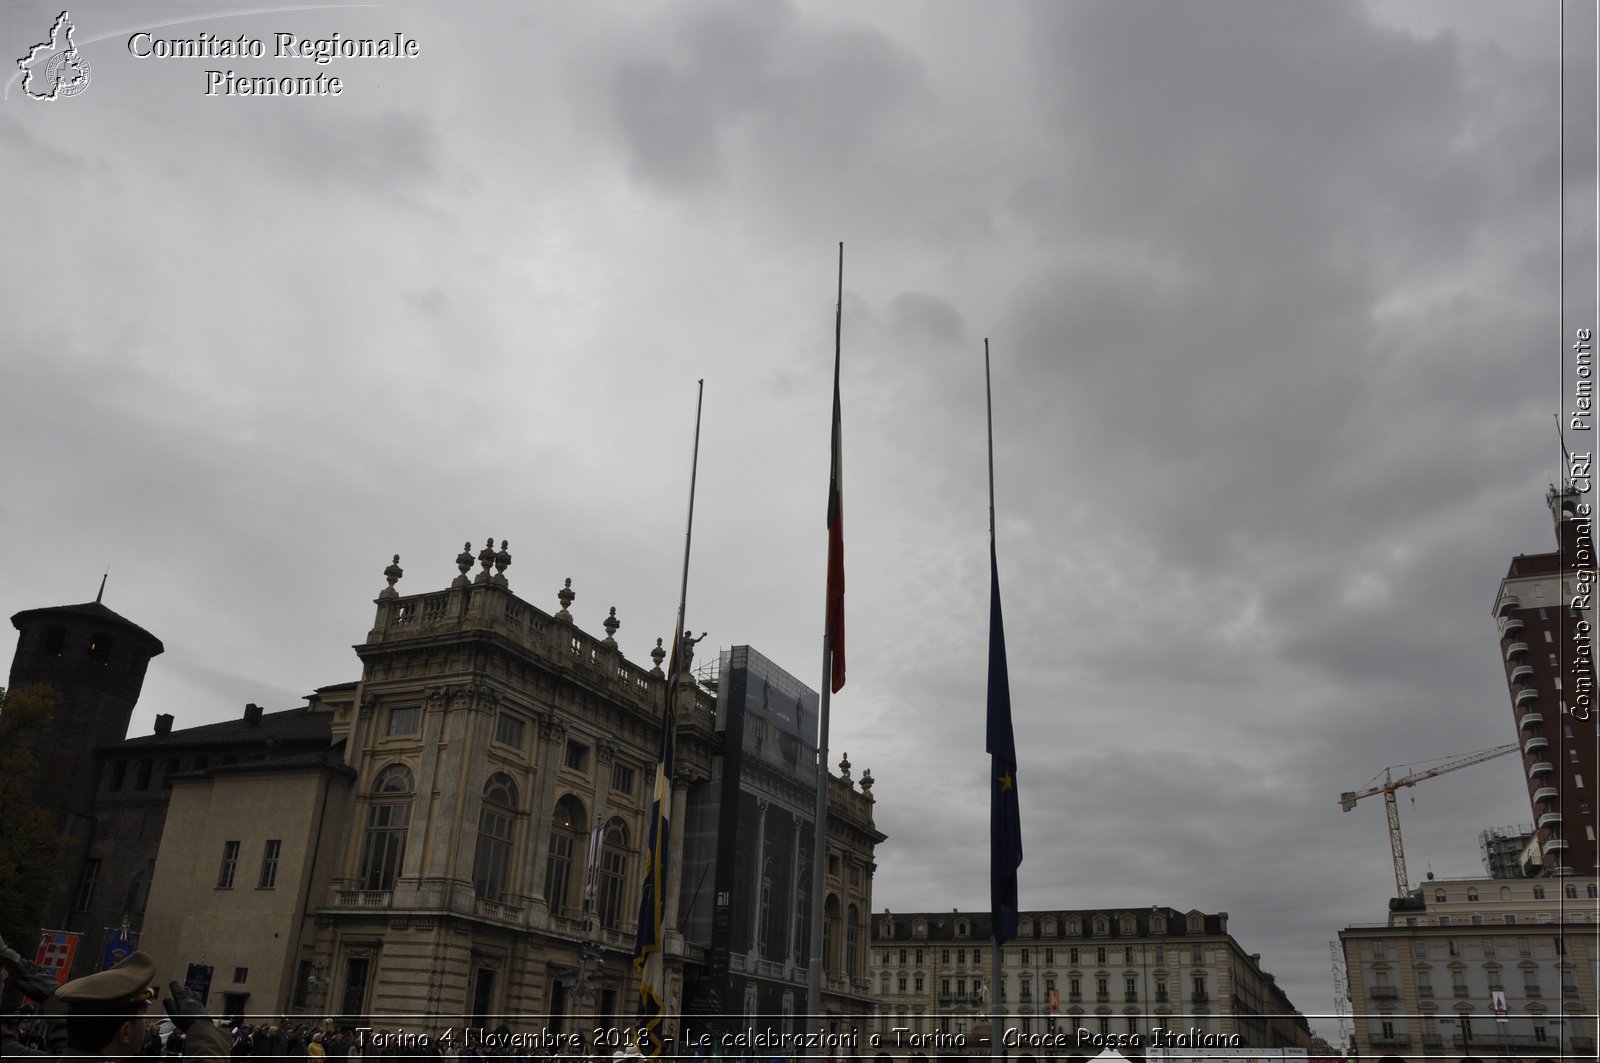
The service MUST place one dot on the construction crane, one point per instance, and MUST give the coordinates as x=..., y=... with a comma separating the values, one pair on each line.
x=1348, y=799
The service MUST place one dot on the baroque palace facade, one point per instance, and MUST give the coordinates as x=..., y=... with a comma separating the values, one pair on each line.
x=457, y=836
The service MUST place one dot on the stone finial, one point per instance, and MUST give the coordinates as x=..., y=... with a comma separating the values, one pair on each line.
x=486, y=559
x=658, y=655
x=502, y=561
x=464, y=558
x=611, y=624
x=844, y=767
x=566, y=595
x=866, y=784
x=392, y=574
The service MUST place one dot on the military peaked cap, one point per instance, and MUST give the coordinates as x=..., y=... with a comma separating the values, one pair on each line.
x=127, y=985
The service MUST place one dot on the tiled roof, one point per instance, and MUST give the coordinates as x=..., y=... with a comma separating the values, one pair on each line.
x=91, y=610
x=301, y=726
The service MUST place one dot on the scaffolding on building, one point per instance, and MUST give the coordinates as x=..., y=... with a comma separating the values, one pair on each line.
x=1502, y=849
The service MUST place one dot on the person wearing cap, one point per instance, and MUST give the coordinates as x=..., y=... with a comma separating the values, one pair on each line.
x=105, y=1013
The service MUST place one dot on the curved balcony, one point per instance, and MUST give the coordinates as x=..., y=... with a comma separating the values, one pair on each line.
x=1510, y=625
x=1540, y=769
x=1522, y=673
x=1546, y=793
x=1530, y=719
x=1554, y=844
x=1507, y=603
x=1549, y=819
x=1516, y=651
x=1536, y=743
x=1527, y=696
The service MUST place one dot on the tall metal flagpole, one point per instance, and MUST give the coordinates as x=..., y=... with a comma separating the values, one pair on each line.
x=688, y=532
x=649, y=952
x=819, y=845
x=996, y=1007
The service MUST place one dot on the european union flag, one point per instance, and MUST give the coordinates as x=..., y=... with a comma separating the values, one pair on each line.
x=1005, y=813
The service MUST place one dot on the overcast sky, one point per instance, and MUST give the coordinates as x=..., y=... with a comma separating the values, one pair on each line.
x=1273, y=297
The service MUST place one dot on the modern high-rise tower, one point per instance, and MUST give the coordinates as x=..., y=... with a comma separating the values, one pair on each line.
x=1544, y=616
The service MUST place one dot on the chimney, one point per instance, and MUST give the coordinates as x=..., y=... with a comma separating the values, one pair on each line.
x=163, y=723
x=252, y=714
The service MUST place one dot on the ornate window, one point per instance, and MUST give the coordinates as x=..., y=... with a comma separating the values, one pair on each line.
x=388, y=819
x=852, y=937
x=493, y=857
x=613, y=873
x=565, y=831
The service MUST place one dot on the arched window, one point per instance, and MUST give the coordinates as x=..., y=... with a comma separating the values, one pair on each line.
x=565, y=830
x=852, y=938
x=1438, y=896
x=388, y=820
x=613, y=874
x=54, y=641
x=830, y=933
x=494, y=837
x=1472, y=894
x=100, y=647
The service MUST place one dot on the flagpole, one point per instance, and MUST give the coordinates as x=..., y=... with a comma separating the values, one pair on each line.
x=996, y=1008
x=819, y=845
x=651, y=1042
x=688, y=531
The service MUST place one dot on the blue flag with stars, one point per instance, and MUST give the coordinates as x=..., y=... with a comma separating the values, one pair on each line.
x=1005, y=813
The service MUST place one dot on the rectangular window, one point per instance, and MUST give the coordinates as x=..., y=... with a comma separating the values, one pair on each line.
x=509, y=729
x=622, y=779
x=577, y=756
x=902, y=983
x=404, y=721
x=1049, y=957
x=91, y=874
x=240, y=974
x=1100, y=954
x=1377, y=950
x=1024, y=957
x=1161, y=954
x=1072, y=956
x=269, y=864
x=1198, y=957
x=230, y=864
x=917, y=957
x=1127, y=954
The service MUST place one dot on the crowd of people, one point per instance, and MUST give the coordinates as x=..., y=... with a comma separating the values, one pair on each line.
x=107, y=1016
